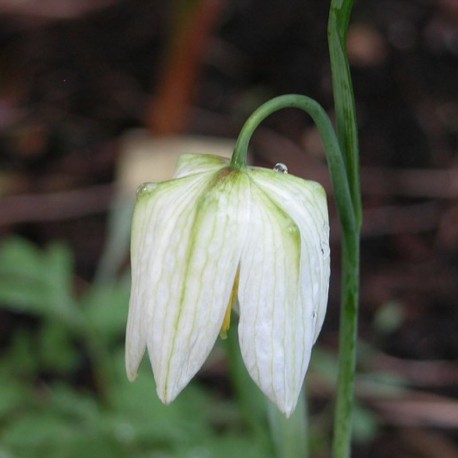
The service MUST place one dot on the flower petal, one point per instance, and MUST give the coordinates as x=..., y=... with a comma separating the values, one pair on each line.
x=275, y=329
x=305, y=202
x=189, y=164
x=186, y=265
x=135, y=333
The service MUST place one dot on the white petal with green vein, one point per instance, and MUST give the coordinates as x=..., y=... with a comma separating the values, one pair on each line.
x=189, y=164
x=305, y=202
x=274, y=329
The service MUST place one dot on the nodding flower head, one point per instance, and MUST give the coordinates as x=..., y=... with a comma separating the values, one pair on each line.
x=214, y=235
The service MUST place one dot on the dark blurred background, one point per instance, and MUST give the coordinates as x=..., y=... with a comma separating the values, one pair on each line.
x=78, y=77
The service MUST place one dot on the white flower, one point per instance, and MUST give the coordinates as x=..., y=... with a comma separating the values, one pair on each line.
x=214, y=229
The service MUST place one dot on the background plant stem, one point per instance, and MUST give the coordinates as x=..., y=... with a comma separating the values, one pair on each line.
x=290, y=435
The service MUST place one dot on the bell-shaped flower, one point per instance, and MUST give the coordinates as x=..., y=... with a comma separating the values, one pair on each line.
x=214, y=234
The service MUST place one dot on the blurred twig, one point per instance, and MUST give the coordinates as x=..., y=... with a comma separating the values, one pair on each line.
x=55, y=206
x=168, y=112
x=48, y=10
x=417, y=409
x=418, y=373
x=403, y=407
x=428, y=444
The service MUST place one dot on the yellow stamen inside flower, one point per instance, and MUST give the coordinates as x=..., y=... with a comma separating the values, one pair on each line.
x=227, y=317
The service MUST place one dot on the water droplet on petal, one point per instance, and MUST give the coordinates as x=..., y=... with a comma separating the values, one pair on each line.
x=281, y=168
x=144, y=187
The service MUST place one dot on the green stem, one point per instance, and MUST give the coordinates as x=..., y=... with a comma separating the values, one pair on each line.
x=347, y=346
x=347, y=132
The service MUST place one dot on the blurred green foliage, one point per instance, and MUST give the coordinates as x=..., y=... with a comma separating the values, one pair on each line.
x=63, y=391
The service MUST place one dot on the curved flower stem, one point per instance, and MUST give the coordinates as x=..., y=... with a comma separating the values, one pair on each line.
x=335, y=159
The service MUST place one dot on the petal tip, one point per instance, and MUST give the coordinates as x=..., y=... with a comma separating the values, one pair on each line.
x=131, y=369
x=131, y=376
x=167, y=396
x=286, y=406
x=132, y=361
x=288, y=410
